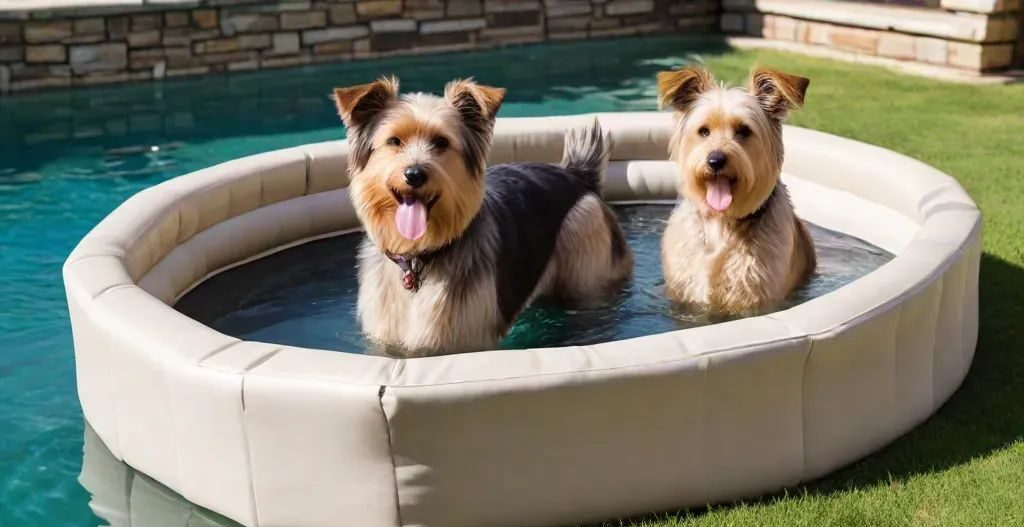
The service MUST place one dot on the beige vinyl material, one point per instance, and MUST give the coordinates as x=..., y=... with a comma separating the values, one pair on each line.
x=280, y=436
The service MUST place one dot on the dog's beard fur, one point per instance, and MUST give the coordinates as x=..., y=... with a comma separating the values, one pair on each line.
x=455, y=183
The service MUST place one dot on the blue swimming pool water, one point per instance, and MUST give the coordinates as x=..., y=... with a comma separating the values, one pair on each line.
x=69, y=158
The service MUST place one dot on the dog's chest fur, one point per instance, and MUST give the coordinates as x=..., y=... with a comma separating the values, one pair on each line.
x=726, y=264
x=451, y=305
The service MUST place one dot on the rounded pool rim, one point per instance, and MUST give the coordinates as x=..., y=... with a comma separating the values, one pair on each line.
x=268, y=434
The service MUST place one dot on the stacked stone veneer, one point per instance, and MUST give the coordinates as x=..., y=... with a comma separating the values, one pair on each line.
x=122, y=41
x=970, y=35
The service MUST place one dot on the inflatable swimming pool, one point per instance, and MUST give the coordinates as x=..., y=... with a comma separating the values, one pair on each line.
x=277, y=435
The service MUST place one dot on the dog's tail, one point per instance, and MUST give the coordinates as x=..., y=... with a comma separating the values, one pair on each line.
x=586, y=153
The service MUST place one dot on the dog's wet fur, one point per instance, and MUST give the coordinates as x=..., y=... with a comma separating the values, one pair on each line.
x=495, y=238
x=734, y=244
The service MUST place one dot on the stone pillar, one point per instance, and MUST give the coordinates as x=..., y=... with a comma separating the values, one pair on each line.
x=975, y=36
x=1019, y=58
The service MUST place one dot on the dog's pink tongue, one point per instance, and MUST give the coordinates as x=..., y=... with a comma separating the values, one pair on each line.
x=411, y=218
x=719, y=193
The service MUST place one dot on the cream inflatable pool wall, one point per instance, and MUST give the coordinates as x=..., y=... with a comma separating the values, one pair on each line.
x=268, y=434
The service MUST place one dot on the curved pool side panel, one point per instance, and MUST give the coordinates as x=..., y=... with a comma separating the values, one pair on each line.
x=276, y=435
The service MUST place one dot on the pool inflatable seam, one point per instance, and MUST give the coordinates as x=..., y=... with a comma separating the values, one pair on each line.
x=309, y=163
x=803, y=408
x=391, y=453
x=214, y=352
x=254, y=509
x=114, y=287
x=260, y=360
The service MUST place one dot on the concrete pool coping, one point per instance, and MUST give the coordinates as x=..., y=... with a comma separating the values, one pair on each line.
x=275, y=435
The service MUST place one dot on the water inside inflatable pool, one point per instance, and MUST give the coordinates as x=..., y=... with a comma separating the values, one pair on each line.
x=306, y=296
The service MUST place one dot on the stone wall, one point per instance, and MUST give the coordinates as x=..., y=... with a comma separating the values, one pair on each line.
x=67, y=44
x=969, y=35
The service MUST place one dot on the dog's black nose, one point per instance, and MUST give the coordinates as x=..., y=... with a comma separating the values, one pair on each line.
x=716, y=160
x=415, y=176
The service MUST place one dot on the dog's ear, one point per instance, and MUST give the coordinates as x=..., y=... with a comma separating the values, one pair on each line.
x=477, y=106
x=678, y=89
x=472, y=100
x=777, y=92
x=358, y=104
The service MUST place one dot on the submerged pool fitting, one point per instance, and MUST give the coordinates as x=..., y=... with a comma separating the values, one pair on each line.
x=277, y=435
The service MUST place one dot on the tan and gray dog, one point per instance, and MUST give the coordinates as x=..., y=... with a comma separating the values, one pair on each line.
x=734, y=244
x=454, y=252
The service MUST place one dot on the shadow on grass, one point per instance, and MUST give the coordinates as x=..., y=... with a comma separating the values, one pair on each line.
x=984, y=415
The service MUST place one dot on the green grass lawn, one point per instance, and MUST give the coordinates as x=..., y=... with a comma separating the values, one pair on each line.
x=965, y=465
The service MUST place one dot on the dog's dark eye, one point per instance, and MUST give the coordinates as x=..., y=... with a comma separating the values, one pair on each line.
x=439, y=142
x=743, y=131
x=704, y=132
x=394, y=141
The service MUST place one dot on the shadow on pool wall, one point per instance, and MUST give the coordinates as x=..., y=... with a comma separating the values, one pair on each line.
x=128, y=119
x=992, y=415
